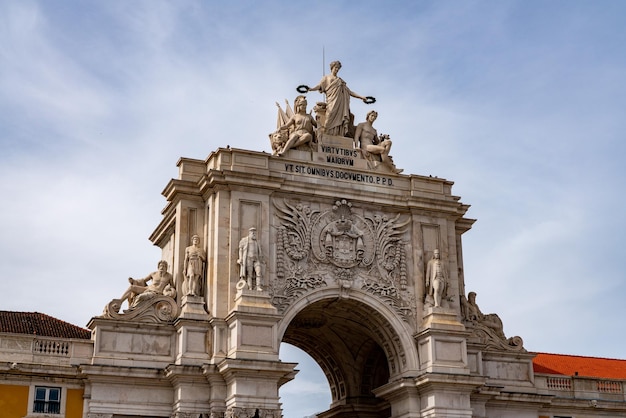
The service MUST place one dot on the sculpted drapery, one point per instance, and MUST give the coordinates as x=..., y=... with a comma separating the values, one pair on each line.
x=337, y=104
x=338, y=121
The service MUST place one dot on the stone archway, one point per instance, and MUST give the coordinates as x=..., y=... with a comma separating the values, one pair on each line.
x=357, y=348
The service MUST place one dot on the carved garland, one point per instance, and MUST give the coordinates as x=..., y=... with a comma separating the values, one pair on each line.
x=318, y=248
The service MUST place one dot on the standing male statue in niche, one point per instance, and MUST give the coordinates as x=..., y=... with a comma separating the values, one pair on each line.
x=436, y=279
x=193, y=267
x=250, y=260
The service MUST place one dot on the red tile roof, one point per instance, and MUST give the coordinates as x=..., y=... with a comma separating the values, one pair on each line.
x=568, y=365
x=35, y=323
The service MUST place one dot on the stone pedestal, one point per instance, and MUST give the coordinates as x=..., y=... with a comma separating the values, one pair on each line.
x=442, y=343
x=193, y=333
x=254, y=301
x=193, y=308
x=252, y=327
x=253, y=384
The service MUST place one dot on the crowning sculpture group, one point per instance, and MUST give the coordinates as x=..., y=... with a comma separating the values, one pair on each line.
x=297, y=129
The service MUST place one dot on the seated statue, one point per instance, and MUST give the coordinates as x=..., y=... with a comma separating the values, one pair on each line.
x=374, y=147
x=303, y=124
x=474, y=314
x=140, y=290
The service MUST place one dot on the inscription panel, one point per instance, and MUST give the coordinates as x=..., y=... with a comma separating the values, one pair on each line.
x=145, y=344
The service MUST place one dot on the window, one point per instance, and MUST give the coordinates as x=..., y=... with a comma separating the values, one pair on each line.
x=47, y=400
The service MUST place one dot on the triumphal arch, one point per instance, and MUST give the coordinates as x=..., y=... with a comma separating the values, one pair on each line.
x=322, y=243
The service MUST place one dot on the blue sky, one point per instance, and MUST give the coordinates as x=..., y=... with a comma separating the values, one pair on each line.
x=520, y=103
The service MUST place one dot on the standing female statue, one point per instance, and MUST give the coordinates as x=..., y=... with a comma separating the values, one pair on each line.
x=339, y=120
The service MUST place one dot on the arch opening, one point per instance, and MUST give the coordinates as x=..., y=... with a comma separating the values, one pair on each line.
x=308, y=394
x=355, y=349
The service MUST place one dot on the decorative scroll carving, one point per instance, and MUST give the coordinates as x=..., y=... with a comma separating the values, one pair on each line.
x=492, y=341
x=338, y=246
x=158, y=309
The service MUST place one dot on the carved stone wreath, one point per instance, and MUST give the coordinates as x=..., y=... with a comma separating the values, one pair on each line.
x=339, y=247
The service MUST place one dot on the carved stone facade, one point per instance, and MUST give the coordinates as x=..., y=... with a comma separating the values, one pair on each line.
x=356, y=264
x=340, y=255
x=342, y=259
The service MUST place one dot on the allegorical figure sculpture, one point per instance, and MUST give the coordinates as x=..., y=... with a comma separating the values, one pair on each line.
x=250, y=260
x=436, y=278
x=473, y=314
x=303, y=124
x=372, y=146
x=339, y=120
x=140, y=290
x=487, y=328
x=193, y=267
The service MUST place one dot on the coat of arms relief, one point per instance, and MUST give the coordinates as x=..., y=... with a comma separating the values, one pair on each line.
x=337, y=246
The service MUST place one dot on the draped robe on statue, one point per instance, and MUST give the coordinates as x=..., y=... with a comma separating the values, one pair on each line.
x=337, y=105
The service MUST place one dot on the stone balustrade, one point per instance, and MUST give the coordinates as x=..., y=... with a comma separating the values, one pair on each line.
x=579, y=387
x=44, y=350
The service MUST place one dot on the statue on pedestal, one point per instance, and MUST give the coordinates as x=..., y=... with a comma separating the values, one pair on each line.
x=193, y=268
x=436, y=279
x=250, y=260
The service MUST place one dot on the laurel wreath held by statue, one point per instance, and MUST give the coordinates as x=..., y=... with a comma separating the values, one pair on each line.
x=303, y=88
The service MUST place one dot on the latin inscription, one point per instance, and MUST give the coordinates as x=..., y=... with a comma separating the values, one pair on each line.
x=344, y=152
x=338, y=174
x=339, y=160
x=340, y=156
